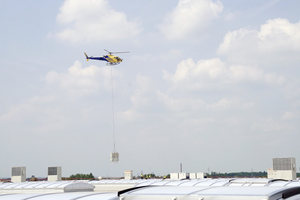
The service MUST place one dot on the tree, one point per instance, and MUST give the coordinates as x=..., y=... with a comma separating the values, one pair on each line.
x=82, y=176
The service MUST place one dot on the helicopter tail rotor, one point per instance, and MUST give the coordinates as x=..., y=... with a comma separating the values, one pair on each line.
x=87, y=58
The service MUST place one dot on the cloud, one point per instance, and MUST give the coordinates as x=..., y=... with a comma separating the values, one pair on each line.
x=223, y=104
x=186, y=104
x=35, y=115
x=42, y=99
x=231, y=16
x=18, y=113
x=90, y=21
x=277, y=40
x=80, y=80
x=130, y=115
x=189, y=18
x=273, y=125
x=144, y=96
x=180, y=104
x=215, y=72
x=288, y=116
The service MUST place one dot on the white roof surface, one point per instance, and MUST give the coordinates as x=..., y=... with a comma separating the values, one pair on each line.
x=46, y=186
x=51, y=196
x=205, y=189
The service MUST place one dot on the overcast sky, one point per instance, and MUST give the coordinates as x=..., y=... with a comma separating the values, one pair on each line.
x=212, y=84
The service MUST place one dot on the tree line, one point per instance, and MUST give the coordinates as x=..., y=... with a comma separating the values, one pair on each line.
x=237, y=174
x=81, y=176
x=213, y=174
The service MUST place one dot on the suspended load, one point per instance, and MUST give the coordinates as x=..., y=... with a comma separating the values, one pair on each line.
x=114, y=157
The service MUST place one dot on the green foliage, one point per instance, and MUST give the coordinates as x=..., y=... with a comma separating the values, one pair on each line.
x=82, y=176
x=152, y=176
x=237, y=174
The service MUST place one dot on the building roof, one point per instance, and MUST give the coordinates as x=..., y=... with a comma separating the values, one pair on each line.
x=204, y=189
x=216, y=193
x=45, y=187
x=51, y=196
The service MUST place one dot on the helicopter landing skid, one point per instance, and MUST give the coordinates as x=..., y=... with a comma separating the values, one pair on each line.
x=110, y=64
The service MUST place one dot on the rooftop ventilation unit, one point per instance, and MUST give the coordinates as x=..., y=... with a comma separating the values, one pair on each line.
x=54, y=174
x=18, y=174
x=183, y=175
x=128, y=175
x=200, y=175
x=174, y=176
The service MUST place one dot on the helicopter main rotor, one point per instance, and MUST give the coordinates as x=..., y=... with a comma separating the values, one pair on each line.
x=115, y=52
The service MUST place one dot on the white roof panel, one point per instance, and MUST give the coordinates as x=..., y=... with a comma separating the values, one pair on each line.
x=221, y=183
x=44, y=185
x=191, y=182
x=160, y=183
x=101, y=196
x=70, y=195
x=22, y=185
x=278, y=183
x=4, y=185
x=148, y=182
x=59, y=184
x=293, y=183
x=207, y=182
x=33, y=184
x=237, y=191
x=176, y=183
x=51, y=196
x=65, y=185
x=165, y=190
x=22, y=196
x=253, y=180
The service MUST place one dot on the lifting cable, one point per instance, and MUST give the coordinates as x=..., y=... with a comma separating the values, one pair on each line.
x=112, y=105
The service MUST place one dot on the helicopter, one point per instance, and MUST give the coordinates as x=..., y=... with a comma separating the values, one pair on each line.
x=110, y=59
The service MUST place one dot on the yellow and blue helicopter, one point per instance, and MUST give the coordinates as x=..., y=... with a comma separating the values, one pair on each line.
x=110, y=59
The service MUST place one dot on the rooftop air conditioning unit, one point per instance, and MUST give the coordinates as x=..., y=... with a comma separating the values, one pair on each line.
x=54, y=174
x=283, y=168
x=18, y=174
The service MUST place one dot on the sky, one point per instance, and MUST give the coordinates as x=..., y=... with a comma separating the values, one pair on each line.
x=211, y=84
